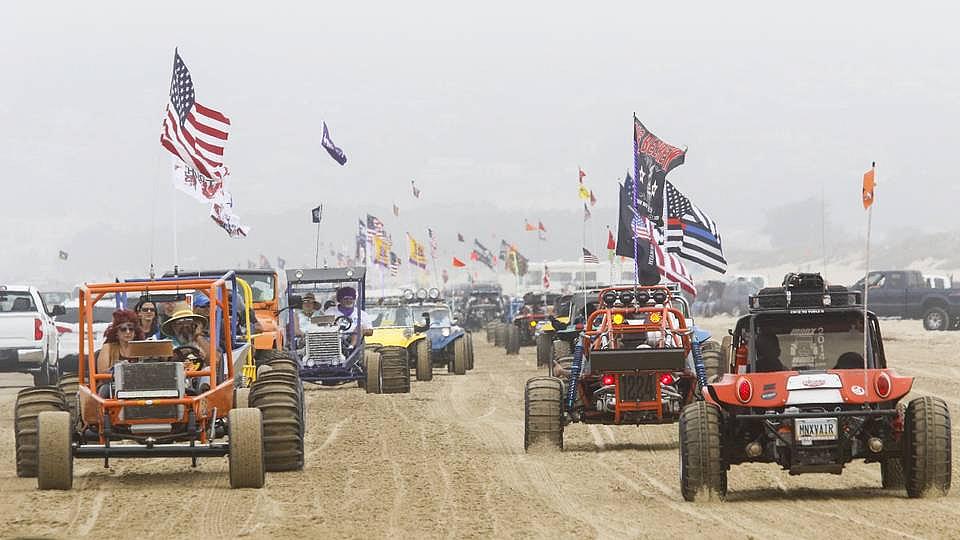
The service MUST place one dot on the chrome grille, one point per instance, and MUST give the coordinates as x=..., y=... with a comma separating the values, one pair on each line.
x=323, y=346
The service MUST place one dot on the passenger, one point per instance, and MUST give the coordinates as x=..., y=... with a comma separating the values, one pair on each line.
x=117, y=337
x=184, y=328
x=849, y=360
x=346, y=307
x=147, y=311
x=305, y=313
x=768, y=353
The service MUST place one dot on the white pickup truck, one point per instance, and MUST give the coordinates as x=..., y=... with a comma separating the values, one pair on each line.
x=28, y=335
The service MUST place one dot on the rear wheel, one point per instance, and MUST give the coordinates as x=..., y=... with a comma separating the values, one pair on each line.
x=30, y=403
x=702, y=474
x=726, y=352
x=286, y=360
x=935, y=319
x=469, y=337
x=70, y=386
x=460, y=356
x=247, y=465
x=543, y=413
x=278, y=395
x=928, y=448
x=513, y=339
x=424, y=362
x=394, y=371
x=544, y=349
x=491, y=331
x=54, y=455
x=500, y=336
x=712, y=353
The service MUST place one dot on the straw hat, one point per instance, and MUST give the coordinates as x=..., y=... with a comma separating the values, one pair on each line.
x=182, y=312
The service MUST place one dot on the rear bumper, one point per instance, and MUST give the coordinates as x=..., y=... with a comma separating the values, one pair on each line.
x=20, y=359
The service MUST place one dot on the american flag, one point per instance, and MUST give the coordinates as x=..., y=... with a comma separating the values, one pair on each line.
x=691, y=233
x=192, y=132
x=590, y=258
x=672, y=268
x=374, y=228
x=394, y=264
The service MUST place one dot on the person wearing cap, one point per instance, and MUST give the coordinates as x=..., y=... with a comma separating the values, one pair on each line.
x=306, y=312
x=201, y=306
x=347, y=307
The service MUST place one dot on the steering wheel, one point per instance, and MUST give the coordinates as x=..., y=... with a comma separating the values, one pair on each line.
x=343, y=323
x=188, y=353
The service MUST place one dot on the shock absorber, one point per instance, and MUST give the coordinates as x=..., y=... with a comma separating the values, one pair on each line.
x=575, y=373
x=698, y=362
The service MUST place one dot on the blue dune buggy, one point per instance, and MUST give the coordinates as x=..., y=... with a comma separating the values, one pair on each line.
x=450, y=344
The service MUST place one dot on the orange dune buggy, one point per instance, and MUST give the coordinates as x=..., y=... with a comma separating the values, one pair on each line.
x=162, y=401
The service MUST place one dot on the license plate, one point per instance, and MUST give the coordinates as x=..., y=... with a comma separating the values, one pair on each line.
x=638, y=387
x=808, y=430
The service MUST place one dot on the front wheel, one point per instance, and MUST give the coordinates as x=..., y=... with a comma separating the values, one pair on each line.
x=703, y=476
x=935, y=319
x=424, y=362
x=54, y=452
x=543, y=413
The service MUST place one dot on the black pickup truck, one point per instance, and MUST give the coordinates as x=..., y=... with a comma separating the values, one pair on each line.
x=905, y=294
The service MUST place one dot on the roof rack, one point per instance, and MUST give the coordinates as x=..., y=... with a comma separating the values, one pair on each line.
x=804, y=291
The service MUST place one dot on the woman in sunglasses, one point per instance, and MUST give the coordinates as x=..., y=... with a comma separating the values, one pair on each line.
x=147, y=311
x=117, y=337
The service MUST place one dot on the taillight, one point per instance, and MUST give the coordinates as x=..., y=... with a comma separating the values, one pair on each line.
x=63, y=329
x=37, y=329
x=744, y=390
x=666, y=378
x=607, y=380
x=882, y=384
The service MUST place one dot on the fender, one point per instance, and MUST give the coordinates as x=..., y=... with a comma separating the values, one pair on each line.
x=438, y=341
x=770, y=389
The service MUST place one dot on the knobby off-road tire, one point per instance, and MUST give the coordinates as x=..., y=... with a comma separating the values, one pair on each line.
x=936, y=319
x=560, y=349
x=70, y=386
x=372, y=371
x=424, y=362
x=712, y=353
x=544, y=349
x=279, y=397
x=500, y=336
x=543, y=413
x=394, y=371
x=513, y=340
x=277, y=359
x=460, y=356
x=703, y=475
x=726, y=352
x=927, y=455
x=241, y=398
x=247, y=463
x=891, y=473
x=54, y=453
x=30, y=403
x=491, y=332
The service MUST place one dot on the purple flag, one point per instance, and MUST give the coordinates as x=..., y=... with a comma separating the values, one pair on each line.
x=332, y=149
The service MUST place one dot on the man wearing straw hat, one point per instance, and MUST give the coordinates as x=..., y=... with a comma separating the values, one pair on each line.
x=184, y=328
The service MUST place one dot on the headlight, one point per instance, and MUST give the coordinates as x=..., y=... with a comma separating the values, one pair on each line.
x=421, y=294
x=298, y=274
x=445, y=332
x=434, y=293
x=533, y=323
x=408, y=294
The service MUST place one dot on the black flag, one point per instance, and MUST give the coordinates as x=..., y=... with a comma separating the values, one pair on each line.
x=316, y=214
x=634, y=226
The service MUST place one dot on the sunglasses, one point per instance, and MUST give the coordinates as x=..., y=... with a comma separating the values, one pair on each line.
x=126, y=328
x=148, y=310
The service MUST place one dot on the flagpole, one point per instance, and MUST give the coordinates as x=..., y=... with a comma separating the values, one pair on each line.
x=866, y=278
x=316, y=258
x=176, y=255
x=823, y=225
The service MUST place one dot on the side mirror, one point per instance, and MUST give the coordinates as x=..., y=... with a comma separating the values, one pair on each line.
x=295, y=301
x=58, y=310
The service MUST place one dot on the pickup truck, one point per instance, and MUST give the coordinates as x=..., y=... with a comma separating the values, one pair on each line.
x=28, y=335
x=905, y=294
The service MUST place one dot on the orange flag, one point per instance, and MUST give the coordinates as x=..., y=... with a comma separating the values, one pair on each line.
x=457, y=263
x=868, y=183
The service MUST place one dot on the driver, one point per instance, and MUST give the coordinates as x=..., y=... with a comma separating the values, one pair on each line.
x=184, y=329
x=347, y=307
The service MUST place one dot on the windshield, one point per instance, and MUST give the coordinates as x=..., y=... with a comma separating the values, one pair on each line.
x=100, y=315
x=16, y=302
x=798, y=343
x=391, y=316
x=54, y=298
x=261, y=286
x=439, y=316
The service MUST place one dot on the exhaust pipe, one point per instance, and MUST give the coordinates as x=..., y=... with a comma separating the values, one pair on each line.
x=875, y=445
x=754, y=449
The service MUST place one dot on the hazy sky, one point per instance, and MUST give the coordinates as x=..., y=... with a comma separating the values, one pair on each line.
x=487, y=104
